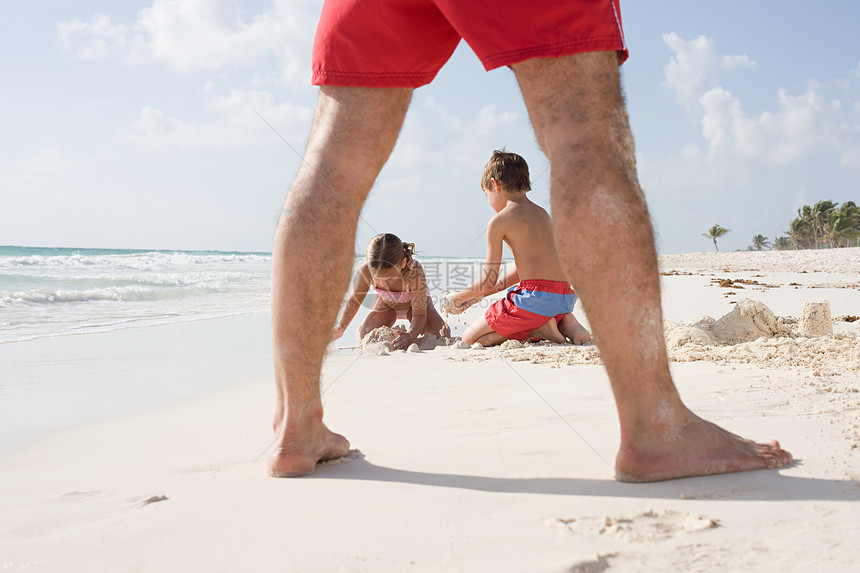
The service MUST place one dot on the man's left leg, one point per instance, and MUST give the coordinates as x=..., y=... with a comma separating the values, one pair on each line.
x=353, y=134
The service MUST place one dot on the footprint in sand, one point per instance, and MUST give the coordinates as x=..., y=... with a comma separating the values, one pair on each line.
x=152, y=499
x=79, y=495
x=596, y=565
x=208, y=468
x=642, y=527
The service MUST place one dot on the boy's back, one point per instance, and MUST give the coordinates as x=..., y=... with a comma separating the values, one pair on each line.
x=527, y=230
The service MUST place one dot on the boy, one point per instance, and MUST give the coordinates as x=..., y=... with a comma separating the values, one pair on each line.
x=540, y=305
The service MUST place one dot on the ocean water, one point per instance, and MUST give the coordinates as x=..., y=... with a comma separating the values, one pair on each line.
x=59, y=291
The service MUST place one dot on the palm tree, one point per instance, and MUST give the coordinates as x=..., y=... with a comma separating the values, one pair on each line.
x=760, y=243
x=783, y=244
x=835, y=229
x=825, y=224
x=715, y=233
x=850, y=213
x=800, y=231
x=819, y=214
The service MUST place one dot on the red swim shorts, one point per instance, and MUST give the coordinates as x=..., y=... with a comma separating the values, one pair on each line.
x=528, y=305
x=404, y=43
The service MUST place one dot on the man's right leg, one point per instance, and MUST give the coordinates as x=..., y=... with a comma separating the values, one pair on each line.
x=605, y=243
x=353, y=133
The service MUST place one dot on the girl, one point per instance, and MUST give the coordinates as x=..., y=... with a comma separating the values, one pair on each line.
x=393, y=273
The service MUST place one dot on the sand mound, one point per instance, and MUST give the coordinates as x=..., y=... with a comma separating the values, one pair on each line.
x=379, y=341
x=749, y=320
x=752, y=334
x=749, y=334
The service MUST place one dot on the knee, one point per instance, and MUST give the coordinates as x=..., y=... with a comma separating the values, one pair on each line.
x=363, y=330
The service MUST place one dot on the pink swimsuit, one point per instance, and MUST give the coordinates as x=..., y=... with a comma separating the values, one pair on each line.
x=397, y=297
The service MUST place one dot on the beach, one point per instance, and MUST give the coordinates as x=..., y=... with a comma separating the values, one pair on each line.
x=497, y=459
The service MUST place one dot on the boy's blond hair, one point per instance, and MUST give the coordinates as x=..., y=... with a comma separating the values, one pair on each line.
x=509, y=170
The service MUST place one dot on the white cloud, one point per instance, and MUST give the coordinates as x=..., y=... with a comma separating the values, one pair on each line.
x=690, y=68
x=188, y=35
x=690, y=151
x=235, y=124
x=695, y=66
x=801, y=125
x=741, y=62
x=97, y=39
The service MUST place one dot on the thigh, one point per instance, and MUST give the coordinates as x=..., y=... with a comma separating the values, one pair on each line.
x=353, y=133
x=577, y=109
x=571, y=91
x=355, y=127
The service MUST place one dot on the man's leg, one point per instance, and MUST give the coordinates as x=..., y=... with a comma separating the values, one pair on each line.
x=605, y=242
x=353, y=133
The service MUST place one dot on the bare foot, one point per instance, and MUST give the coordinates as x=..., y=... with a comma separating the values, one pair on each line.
x=549, y=331
x=279, y=417
x=297, y=452
x=696, y=448
x=571, y=328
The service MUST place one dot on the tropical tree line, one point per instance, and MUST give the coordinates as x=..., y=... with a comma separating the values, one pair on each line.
x=823, y=225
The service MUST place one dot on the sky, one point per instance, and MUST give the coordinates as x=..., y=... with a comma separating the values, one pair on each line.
x=180, y=124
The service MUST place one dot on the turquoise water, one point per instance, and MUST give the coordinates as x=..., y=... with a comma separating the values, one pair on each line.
x=62, y=291
x=59, y=291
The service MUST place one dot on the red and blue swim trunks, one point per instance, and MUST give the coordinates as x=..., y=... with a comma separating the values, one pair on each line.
x=528, y=305
x=404, y=43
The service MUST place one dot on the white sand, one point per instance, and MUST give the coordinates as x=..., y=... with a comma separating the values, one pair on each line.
x=481, y=464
